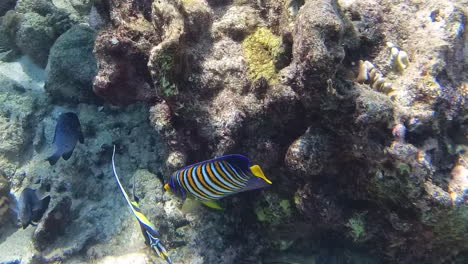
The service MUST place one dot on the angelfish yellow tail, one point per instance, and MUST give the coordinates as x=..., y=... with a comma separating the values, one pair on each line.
x=257, y=172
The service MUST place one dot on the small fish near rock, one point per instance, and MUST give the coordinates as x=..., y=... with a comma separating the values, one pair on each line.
x=31, y=207
x=67, y=133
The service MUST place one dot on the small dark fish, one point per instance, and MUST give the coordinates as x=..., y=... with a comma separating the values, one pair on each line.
x=67, y=133
x=217, y=178
x=31, y=208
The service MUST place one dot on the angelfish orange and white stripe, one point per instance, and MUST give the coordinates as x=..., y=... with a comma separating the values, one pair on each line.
x=217, y=178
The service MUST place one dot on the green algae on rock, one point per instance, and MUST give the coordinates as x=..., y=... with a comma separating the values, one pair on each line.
x=261, y=50
x=169, y=22
x=357, y=226
x=273, y=210
x=165, y=62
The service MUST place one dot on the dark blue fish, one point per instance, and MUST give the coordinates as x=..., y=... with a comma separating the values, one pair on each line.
x=31, y=207
x=67, y=133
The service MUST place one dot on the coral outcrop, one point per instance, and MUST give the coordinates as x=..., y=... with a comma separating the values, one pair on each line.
x=19, y=108
x=69, y=77
x=277, y=82
x=32, y=27
x=35, y=37
x=123, y=76
x=356, y=110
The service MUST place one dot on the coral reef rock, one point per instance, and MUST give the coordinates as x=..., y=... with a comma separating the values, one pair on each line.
x=54, y=224
x=35, y=36
x=310, y=152
x=32, y=27
x=123, y=76
x=69, y=77
x=366, y=169
x=276, y=81
x=19, y=107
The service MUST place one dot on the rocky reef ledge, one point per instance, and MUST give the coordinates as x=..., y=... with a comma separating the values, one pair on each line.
x=356, y=110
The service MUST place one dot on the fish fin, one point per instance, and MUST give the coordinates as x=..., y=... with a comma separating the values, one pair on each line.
x=255, y=183
x=80, y=136
x=67, y=155
x=212, y=205
x=39, y=208
x=45, y=202
x=257, y=172
x=53, y=159
x=190, y=206
x=135, y=197
x=240, y=161
x=55, y=135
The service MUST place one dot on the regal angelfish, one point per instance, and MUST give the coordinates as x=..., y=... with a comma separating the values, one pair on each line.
x=217, y=178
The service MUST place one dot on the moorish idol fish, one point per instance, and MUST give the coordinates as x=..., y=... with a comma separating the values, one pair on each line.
x=217, y=178
x=149, y=231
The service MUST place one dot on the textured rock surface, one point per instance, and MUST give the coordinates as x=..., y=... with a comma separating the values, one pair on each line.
x=34, y=25
x=275, y=82
x=34, y=37
x=355, y=170
x=54, y=223
x=123, y=76
x=70, y=77
x=19, y=108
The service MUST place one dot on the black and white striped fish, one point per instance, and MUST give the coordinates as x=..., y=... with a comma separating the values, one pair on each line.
x=217, y=178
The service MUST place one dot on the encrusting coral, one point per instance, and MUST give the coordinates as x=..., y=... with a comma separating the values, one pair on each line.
x=261, y=49
x=371, y=165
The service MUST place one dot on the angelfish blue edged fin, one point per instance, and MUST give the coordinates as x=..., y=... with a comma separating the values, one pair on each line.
x=238, y=160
